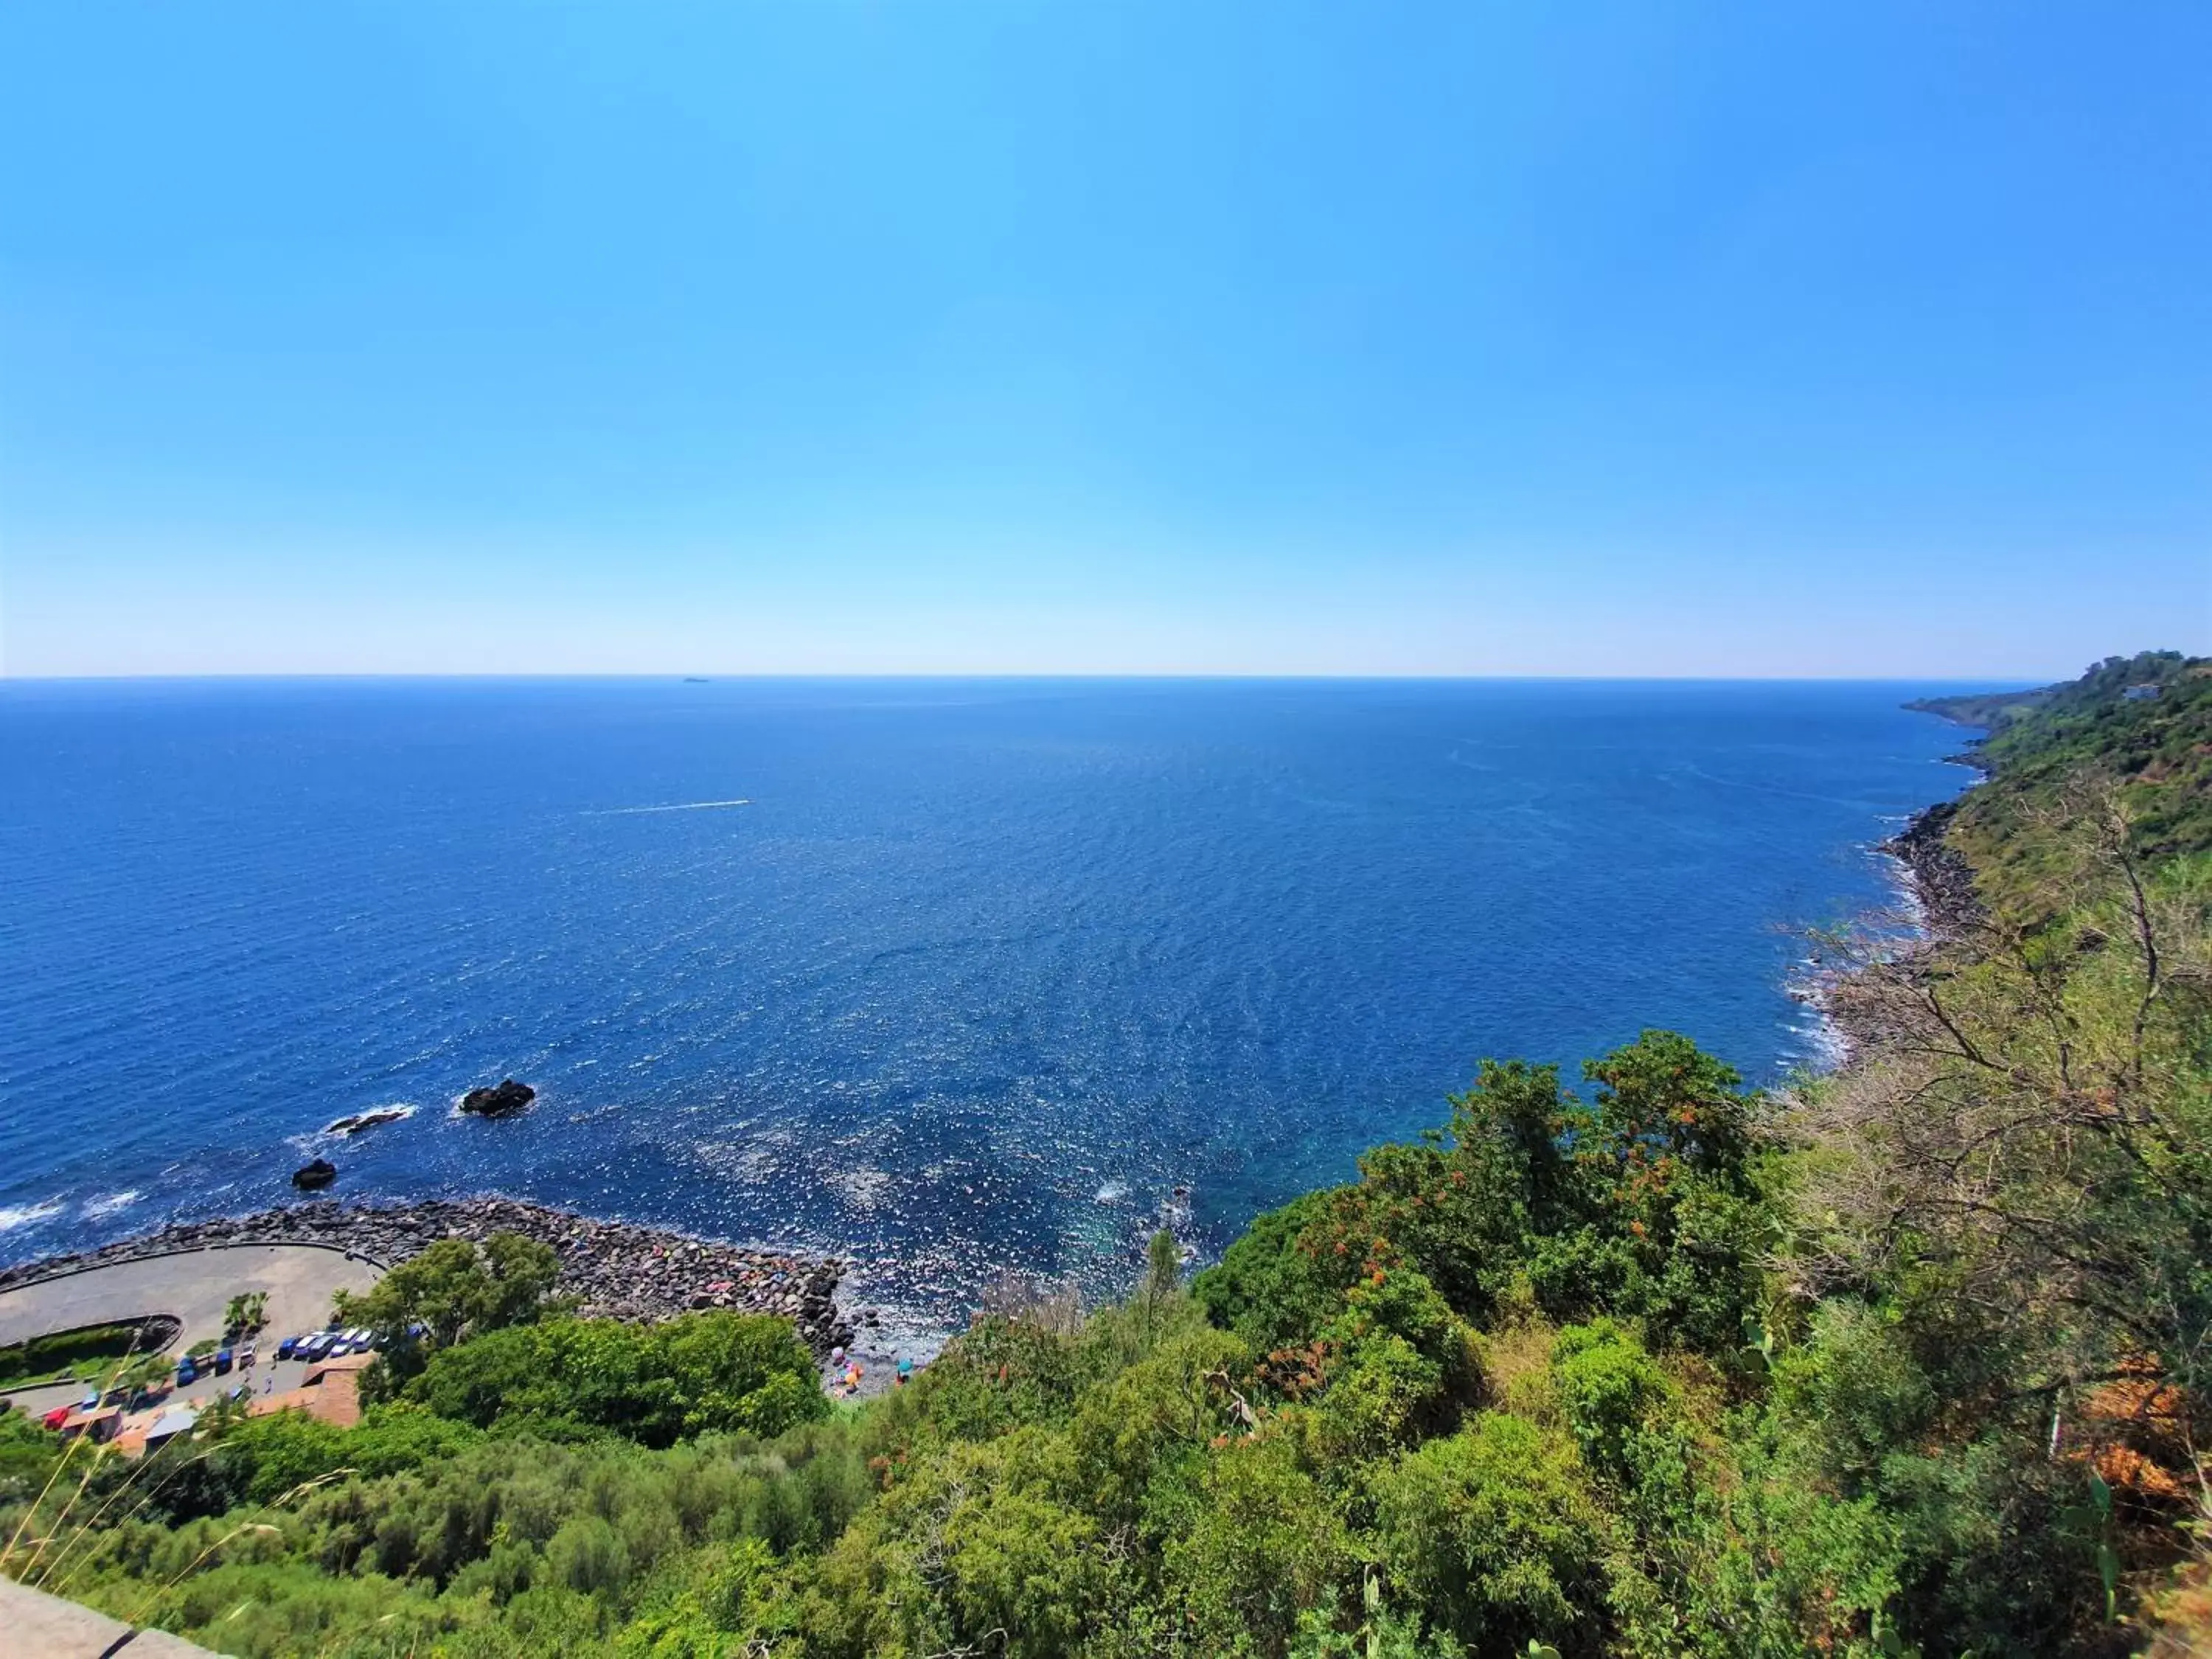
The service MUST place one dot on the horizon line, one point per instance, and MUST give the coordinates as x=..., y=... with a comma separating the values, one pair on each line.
x=697, y=677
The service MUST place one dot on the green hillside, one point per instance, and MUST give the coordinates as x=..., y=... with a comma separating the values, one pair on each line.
x=2133, y=736
x=1990, y=710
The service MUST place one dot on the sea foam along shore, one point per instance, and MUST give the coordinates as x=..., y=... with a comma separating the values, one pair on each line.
x=1936, y=886
x=614, y=1269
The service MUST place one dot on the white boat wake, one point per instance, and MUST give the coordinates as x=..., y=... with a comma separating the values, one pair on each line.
x=680, y=806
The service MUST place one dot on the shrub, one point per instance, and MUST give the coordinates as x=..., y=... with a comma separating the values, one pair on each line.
x=700, y=1373
x=1611, y=1392
x=1253, y=1545
x=1492, y=1530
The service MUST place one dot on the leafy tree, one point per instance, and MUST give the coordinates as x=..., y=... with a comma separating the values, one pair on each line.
x=1271, y=1287
x=452, y=1290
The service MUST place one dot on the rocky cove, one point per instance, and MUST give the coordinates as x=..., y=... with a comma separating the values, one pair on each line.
x=613, y=1269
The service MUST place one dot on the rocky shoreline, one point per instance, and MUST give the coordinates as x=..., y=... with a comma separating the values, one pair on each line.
x=1938, y=874
x=615, y=1270
x=1938, y=882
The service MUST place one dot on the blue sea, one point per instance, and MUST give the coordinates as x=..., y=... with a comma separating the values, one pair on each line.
x=948, y=977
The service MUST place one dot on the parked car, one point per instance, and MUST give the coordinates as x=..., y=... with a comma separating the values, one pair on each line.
x=188, y=1371
x=222, y=1361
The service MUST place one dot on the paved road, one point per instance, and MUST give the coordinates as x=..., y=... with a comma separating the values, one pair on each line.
x=196, y=1287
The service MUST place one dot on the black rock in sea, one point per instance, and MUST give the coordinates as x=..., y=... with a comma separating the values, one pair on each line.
x=356, y=1122
x=507, y=1098
x=313, y=1178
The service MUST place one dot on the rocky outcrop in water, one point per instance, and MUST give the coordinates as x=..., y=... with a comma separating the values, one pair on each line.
x=354, y=1122
x=313, y=1178
x=504, y=1099
x=614, y=1270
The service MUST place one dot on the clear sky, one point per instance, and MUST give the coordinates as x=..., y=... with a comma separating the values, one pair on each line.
x=1099, y=336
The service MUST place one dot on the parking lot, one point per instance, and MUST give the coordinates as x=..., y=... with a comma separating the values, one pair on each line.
x=196, y=1287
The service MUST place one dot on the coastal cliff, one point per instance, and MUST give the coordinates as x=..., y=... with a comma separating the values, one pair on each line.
x=1911, y=1359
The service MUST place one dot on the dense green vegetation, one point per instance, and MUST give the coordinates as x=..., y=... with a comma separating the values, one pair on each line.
x=1910, y=1358
x=2098, y=688
x=2146, y=753
x=86, y=1355
x=452, y=1290
x=1991, y=710
x=2130, y=733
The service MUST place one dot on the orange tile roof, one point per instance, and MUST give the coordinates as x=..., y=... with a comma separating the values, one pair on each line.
x=347, y=1363
x=330, y=1394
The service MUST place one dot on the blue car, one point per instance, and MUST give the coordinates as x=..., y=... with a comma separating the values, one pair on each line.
x=187, y=1372
x=284, y=1348
x=222, y=1361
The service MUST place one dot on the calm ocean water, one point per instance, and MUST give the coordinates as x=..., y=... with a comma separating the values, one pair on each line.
x=977, y=976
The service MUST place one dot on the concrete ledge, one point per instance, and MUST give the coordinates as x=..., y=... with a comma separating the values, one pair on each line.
x=160, y=1644
x=42, y=1626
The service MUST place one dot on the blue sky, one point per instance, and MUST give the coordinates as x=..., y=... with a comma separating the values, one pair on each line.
x=1105, y=337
